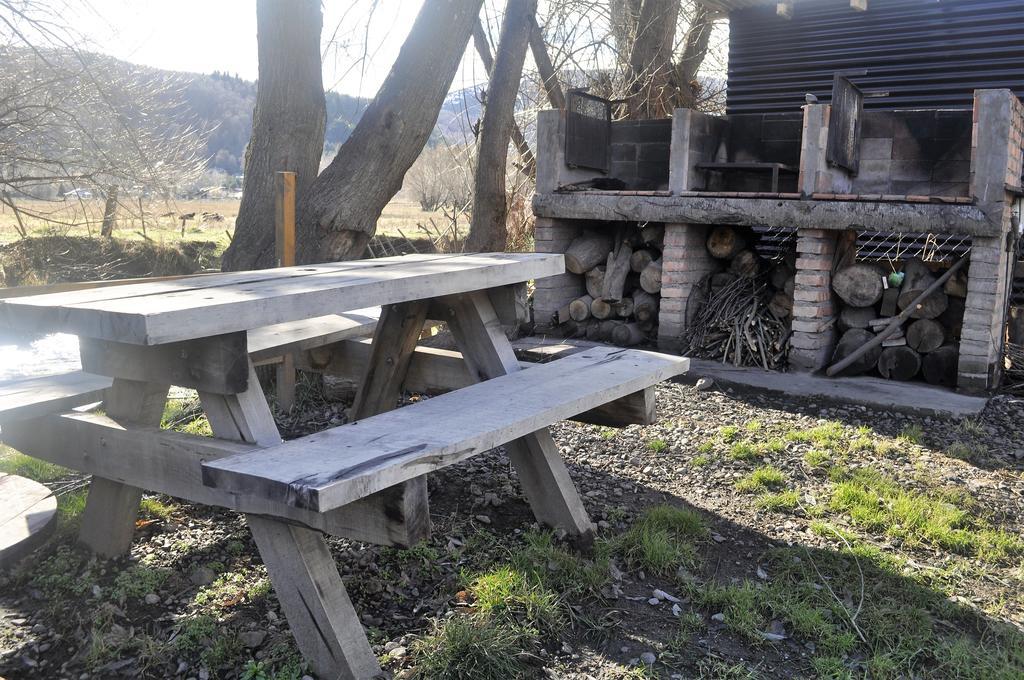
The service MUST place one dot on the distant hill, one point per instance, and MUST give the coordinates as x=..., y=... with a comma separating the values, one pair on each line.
x=223, y=104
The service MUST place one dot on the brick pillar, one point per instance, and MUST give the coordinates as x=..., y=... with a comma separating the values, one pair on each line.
x=685, y=263
x=554, y=292
x=996, y=160
x=811, y=345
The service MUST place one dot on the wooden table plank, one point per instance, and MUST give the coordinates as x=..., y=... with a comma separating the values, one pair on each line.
x=158, y=313
x=331, y=468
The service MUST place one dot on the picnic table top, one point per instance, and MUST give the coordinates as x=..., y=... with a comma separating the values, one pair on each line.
x=202, y=306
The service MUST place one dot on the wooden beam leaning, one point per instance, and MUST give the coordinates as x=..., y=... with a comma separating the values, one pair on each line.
x=542, y=472
x=324, y=623
x=111, y=508
x=170, y=463
x=391, y=350
x=217, y=364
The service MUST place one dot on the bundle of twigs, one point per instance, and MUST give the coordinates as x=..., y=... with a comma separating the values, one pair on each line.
x=735, y=325
x=1013, y=376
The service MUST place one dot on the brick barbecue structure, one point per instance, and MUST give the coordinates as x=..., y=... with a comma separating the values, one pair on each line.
x=955, y=173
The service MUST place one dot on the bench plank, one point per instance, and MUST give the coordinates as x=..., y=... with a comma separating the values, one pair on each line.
x=331, y=468
x=33, y=397
x=270, y=342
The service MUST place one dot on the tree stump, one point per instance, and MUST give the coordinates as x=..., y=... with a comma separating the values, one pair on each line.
x=587, y=251
x=628, y=334
x=579, y=309
x=859, y=285
x=852, y=340
x=601, y=309
x=899, y=363
x=917, y=278
x=925, y=335
x=940, y=367
x=725, y=242
x=855, y=317
x=650, y=277
x=595, y=281
x=639, y=260
x=645, y=306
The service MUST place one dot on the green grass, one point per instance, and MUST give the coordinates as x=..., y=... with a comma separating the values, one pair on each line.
x=155, y=508
x=470, y=648
x=657, y=445
x=828, y=435
x=728, y=433
x=137, y=581
x=879, y=504
x=912, y=434
x=963, y=451
x=15, y=463
x=765, y=477
x=776, y=502
x=513, y=597
x=773, y=445
x=818, y=458
x=706, y=446
x=661, y=540
x=742, y=451
x=559, y=569
x=700, y=461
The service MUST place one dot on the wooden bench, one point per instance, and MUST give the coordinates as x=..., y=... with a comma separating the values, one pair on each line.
x=33, y=397
x=329, y=469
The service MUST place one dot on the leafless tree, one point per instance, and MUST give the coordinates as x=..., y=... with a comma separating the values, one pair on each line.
x=80, y=120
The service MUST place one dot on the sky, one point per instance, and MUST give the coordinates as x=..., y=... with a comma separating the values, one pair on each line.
x=202, y=36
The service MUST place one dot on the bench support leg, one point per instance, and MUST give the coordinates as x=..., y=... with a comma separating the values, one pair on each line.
x=111, y=508
x=394, y=341
x=320, y=614
x=306, y=580
x=542, y=472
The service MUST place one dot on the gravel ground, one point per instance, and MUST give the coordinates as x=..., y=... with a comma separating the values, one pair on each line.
x=193, y=600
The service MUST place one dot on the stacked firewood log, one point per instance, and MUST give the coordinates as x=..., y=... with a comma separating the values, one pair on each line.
x=622, y=270
x=741, y=314
x=870, y=297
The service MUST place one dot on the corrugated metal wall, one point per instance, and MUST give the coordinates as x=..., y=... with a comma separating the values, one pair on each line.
x=926, y=53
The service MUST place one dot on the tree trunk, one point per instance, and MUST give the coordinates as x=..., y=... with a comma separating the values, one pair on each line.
x=628, y=334
x=288, y=124
x=579, y=309
x=483, y=49
x=340, y=211
x=616, y=269
x=109, y=213
x=488, y=230
x=544, y=66
x=645, y=306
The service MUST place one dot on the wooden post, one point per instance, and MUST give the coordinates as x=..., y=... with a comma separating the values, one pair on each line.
x=284, y=218
x=284, y=242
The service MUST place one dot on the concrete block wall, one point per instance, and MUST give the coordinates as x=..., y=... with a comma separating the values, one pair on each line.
x=554, y=292
x=696, y=138
x=640, y=153
x=921, y=153
x=812, y=343
x=685, y=262
x=997, y=148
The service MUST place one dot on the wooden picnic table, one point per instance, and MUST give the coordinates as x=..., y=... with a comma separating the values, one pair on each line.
x=365, y=480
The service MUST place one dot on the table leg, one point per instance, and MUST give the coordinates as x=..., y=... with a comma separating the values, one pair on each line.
x=111, y=508
x=542, y=472
x=306, y=580
x=394, y=341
